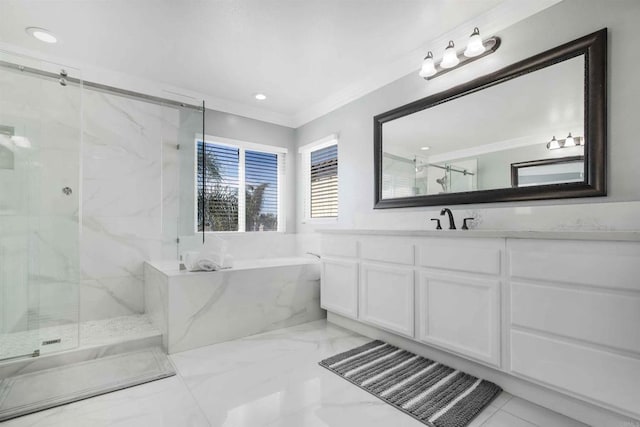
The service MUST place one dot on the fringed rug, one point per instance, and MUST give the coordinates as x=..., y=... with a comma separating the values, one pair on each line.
x=432, y=393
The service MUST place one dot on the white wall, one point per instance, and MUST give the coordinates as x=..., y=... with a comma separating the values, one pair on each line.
x=561, y=23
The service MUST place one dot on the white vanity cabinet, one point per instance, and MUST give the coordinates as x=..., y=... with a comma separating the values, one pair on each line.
x=339, y=275
x=564, y=314
x=339, y=286
x=460, y=313
x=575, y=318
x=386, y=297
x=444, y=292
x=458, y=294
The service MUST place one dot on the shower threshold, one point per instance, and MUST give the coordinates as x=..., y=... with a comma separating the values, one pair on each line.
x=89, y=340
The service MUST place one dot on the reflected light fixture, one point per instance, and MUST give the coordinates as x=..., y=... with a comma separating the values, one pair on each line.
x=569, y=141
x=474, y=45
x=425, y=148
x=260, y=96
x=451, y=59
x=428, y=68
x=554, y=144
x=42, y=34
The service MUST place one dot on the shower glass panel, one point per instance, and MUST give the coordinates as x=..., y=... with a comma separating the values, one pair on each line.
x=40, y=136
x=190, y=129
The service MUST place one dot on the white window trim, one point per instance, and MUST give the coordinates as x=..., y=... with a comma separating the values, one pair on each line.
x=305, y=152
x=242, y=146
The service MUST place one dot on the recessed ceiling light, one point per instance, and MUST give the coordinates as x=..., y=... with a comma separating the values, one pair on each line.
x=260, y=96
x=42, y=34
x=425, y=148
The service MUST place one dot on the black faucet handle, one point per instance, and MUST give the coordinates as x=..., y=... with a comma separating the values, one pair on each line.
x=464, y=223
x=438, y=227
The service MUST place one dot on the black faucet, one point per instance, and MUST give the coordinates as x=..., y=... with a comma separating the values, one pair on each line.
x=452, y=223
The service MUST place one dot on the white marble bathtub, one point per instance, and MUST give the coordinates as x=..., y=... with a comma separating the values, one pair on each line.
x=194, y=309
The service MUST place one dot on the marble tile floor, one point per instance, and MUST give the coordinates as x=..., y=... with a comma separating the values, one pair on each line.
x=266, y=380
x=90, y=333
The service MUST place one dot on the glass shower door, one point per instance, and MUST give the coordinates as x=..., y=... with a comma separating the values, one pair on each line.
x=40, y=135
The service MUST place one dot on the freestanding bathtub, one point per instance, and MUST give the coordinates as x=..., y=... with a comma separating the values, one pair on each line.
x=194, y=309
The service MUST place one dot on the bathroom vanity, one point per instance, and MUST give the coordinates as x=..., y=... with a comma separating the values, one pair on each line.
x=554, y=309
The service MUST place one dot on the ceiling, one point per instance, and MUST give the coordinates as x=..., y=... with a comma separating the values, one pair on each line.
x=297, y=52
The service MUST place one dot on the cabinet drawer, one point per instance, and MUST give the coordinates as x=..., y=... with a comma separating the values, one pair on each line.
x=340, y=246
x=461, y=314
x=604, y=264
x=469, y=255
x=610, y=378
x=387, y=249
x=594, y=315
x=339, y=287
x=386, y=297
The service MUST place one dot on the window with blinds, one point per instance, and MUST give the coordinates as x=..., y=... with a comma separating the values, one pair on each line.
x=261, y=189
x=323, y=189
x=237, y=188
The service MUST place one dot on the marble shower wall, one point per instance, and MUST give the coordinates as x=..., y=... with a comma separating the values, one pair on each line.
x=129, y=200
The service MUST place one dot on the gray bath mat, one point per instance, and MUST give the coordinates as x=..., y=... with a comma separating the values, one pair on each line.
x=434, y=394
x=36, y=391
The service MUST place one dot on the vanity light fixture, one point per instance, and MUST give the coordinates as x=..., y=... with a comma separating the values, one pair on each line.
x=260, y=96
x=428, y=68
x=425, y=148
x=451, y=59
x=569, y=141
x=474, y=46
x=42, y=34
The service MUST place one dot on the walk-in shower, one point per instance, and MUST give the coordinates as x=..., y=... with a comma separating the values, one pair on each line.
x=40, y=139
x=89, y=190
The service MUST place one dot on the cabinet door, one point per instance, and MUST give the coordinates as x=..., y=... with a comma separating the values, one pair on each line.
x=386, y=297
x=339, y=287
x=460, y=313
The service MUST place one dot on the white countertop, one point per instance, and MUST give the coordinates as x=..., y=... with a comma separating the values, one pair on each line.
x=631, y=236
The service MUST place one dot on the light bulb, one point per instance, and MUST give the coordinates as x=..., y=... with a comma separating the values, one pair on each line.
x=569, y=142
x=450, y=58
x=475, y=46
x=554, y=144
x=428, y=67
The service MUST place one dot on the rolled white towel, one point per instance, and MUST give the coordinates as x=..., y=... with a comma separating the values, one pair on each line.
x=206, y=261
x=225, y=261
x=190, y=259
x=206, y=264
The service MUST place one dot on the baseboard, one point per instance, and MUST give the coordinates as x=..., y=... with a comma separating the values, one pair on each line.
x=569, y=406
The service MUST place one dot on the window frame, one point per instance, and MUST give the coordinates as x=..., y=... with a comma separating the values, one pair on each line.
x=242, y=147
x=305, y=151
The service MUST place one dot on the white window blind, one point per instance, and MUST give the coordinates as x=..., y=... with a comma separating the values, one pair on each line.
x=238, y=188
x=219, y=192
x=323, y=197
x=261, y=200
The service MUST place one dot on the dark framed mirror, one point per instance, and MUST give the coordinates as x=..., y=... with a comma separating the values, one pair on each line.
x=458, y=146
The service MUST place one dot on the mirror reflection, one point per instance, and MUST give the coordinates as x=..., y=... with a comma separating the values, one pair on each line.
x=533, y=124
